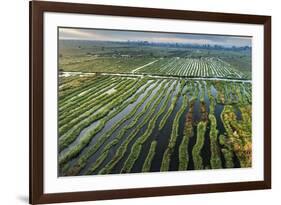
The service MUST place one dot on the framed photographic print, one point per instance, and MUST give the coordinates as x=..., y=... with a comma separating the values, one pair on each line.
x=137, y=102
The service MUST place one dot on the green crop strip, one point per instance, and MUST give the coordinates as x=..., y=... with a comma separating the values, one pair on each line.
x=215, y=153
x=87, y=103
x=67, y=84
x=240, y=94
x=228, y=156
x=227, y=152
x=65, y=80
x=74, y=132
x=86, y=96
x=239, y=133
x=148, y=160
x=73, y=128
x=170, y=110
x=233, y=90
x=75, y=91
x=197, y=159
x=187, y=134
x=122, y=132
x=203, y=67
x=87, y=137
x=173, y=138
x=123, y=147
x=248, y=92
x=88, y=109
x=81, y=162
x=100, y=107
x=105, y=64
x=137, y=146
x=237, y=138
x=202, y=96
x=194, y=90
x=220, y=93
x=70, y=89
x=83, y=96
x=147, y=163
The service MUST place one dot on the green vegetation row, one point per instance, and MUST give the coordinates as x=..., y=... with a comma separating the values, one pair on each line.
x=197, y=159
x=193, y=89
x=199, y=67
x=81, y=86
x=215, y=152
x=86, y=95
x=86, y=110
x=82, y=161
x=187, y=134
x=147, y=163
x=78, y=121
x=87, y=101
x=107, y=64
x=229, y=93
x=123, y=147
x=76, y=83
x=124, y=57
x=202, y=96
x=170, y=110
x=87, y=137
x=236, y=141
x=226, y=151
x=67, y=81
x=148, y=160
x=239, y=133
x=71, y=135
x=173, y=138
x=137, y=146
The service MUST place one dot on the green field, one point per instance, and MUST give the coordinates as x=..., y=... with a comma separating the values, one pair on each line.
x=130, y=107
x=148, y=59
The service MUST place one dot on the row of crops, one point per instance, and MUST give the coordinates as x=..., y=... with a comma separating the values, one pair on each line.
x=198, y=67
x=101, y=64
x=123, y=125
x=184, y=66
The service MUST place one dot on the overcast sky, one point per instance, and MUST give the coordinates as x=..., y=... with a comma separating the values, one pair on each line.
x=113, y=35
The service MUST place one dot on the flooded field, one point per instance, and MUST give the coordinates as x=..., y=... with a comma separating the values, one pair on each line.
x=143, y=124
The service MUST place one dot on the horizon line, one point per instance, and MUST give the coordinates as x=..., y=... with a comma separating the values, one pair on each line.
x=158, y=42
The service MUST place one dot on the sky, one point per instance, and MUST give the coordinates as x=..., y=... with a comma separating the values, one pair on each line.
x=156, y=37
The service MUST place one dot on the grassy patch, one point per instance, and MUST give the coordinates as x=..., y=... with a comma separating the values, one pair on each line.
x=147, y=163
x=173, y=138
x=187, y=134
x=215, y=152
x=197, y=159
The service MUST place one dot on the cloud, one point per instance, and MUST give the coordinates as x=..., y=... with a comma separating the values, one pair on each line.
x=79, y=34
